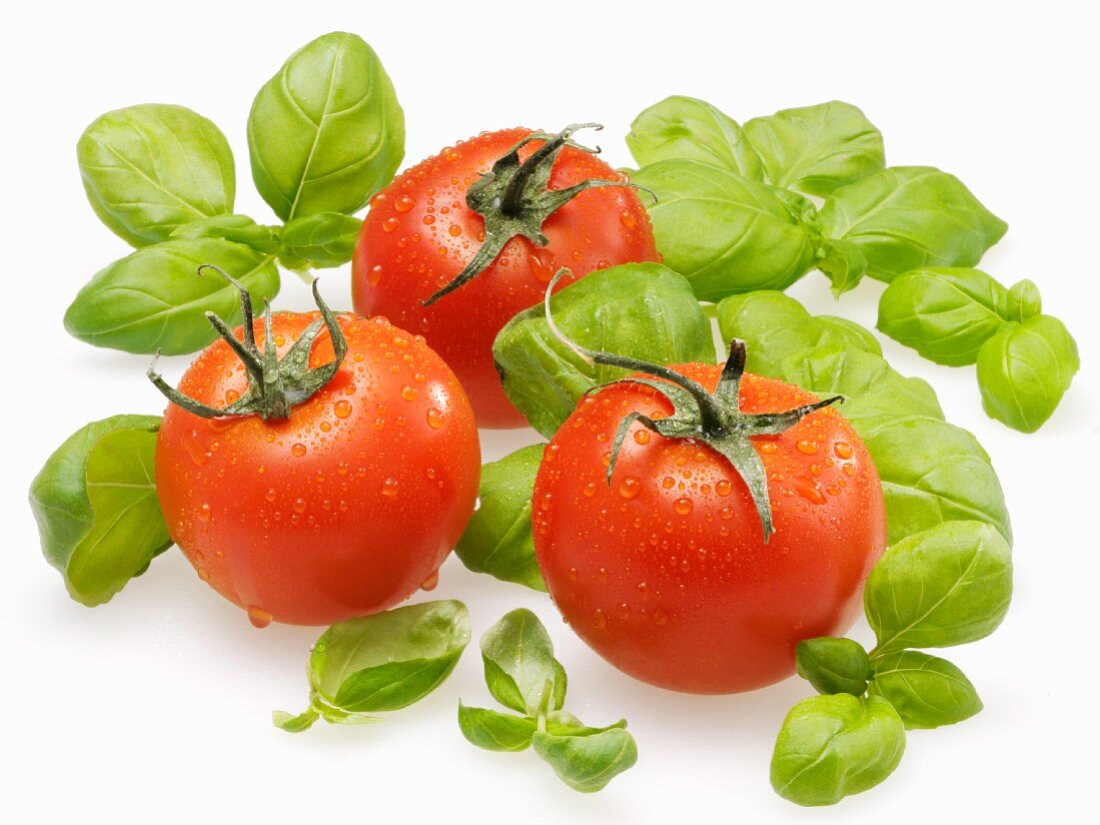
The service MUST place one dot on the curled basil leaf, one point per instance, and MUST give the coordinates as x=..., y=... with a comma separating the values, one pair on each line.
x=154, y=299
x=944, y=586
x=520, y=668
x=906, y=217
x=842, y=263
x=586, y=762
x=380, y=663
x=495, y=731
x=498, y=538
x=1025, y=369
x=926, y=691
x=326, y=132
x=150, y=169
x=322, y=240
x=642, y=310
x=239, y=229
x=96, y=506
x=833, y=746
x=1023, y=301
x=726, y=233
x=833, y=665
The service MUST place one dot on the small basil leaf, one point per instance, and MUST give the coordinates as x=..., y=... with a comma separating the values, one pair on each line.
x=565, y=724
x=236, y=228
x=815, y=149
x=498, y=538
x=726, y=233
x=151, y=168
x=854, y=335
x=519, y=663
x=906, y=217
x=684, y=128
x=833, y=665
x=843, y=264
x=586, y=763
x=833, y=746
x=326, y=132
x=640, y=310
x=154, y=299
x=1023, y=301
x=1025, y=369
x=294, y=724
x=495, y=731
x=321, y=240
x=945, y=586
x=926, y=691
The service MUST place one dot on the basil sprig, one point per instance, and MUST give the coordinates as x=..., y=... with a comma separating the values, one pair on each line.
x=523, y=675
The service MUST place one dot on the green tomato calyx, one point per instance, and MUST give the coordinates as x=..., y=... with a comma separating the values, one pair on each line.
x=275, y=384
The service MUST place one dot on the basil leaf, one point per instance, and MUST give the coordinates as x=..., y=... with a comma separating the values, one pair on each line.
x=815, y=149
x=151, y=168
x=843, y=264
x=153, y=299
x=326, y=132
x=586, y=763
x=498, y=538
x=323, y=240
x=726, y=233
x=642, y=310
x=906, y=217
x=833, y=746
x=1023, y=301
x=236, y=228
x=96, y=506
x=684, y=128
x=520, y=664
x=926, y=691
x=833, y=665
x=1025, y=369
x=294, y=724
x=495, y=731
x=854, y=336
x=944, y=586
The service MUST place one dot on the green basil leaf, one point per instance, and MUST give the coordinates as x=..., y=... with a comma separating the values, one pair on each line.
x=833, y=746
x=945, y=586
x=96, y=506
x=1025, y=369
x=906, y=217
x=1023, y=301
x=926, y=691
x=815, y=149
x=945, y=314
x=519, y=664
x=236, y=228
x=854, y=335
x=495, y=731
x=833, y=665
x=294, y=724
x=843, y=263
x=684, y=128
x=322, y=240
x=642, y=310
x=326, y=132
x=154, y=299
x=498, y=539
x=151, y=168
x=586, y=763
x=726, y=233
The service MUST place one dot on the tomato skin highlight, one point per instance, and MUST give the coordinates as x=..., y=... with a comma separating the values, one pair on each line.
x=665, y=573
x=344, y=508
x=419, y=234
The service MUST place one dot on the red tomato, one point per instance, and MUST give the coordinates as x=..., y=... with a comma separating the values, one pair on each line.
x=420, y=234
x=665, y=572
x=340, y=510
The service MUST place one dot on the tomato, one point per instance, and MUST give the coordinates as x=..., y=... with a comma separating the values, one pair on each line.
x=420, y=234
x=665, y=572
x=341, y=509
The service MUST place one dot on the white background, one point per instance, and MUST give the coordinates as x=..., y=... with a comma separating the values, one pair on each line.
x=157, y=706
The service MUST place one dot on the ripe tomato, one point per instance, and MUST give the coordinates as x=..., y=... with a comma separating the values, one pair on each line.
x=339, y=510
x=665, y=572
x=420, y=234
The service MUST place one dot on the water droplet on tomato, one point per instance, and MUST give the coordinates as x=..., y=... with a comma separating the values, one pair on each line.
x=809, y=490
x=848, y=469
x=627, y=219
x=601, y=574
x=843, y=449
x=629, y=487
x=408, y=392
x=204, y=512
x=389, y=487
x=270, y=494
x=431, y=582
x=259, y=617
x=435, y=419
x=768, y=447
x=806, y=447
x=641, y=436
x=660, y=616
x=623, y=611
x=298, y=449
x=683, y=506
x=389, y=224
x=404, y=203
x=815, y=469
x=589, y=489
x=231, y=396
x=342, y=408
x=374, y=274
x=299, y=505
x=668, y=482
x=599, y=620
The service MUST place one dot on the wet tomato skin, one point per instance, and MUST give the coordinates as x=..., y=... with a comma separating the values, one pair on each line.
x=665, y=572
x=419, y=234
x=343, y=509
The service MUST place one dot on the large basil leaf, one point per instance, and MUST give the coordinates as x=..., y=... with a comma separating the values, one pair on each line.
x=640, y=310
x=151, y=168
x=815, y=149
x=726, y=233
x=154, y=299
x=1025, y=369
x=326, y=132
x=926, y=691
x=322, y=240
x=520, y=668
x=498, y=538
x=833, y=746
x=586, y=762
x=495, y=731
x=833, y=665
x=96, y=506
x=945, y=586
x=906, y=217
